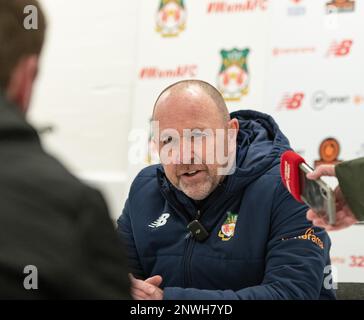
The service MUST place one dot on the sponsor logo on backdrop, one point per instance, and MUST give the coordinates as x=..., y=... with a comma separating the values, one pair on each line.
x=337, y=260
x=233, y=79
x=182, y=71
x=340, y=6
x=295, y=8
x=329, y=152
x=354, y=261
x=357, y=262
x=291, y=101
x=358, y=100
x=321, y=99
x=236, y=6
x=171, y=18
x=293, y=51
x=340, y=48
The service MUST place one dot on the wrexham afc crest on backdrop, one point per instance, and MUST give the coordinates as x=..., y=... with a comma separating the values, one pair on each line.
x=233, y=79
x=171, y=18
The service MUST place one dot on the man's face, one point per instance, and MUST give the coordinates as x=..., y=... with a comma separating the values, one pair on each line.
x=187, y=126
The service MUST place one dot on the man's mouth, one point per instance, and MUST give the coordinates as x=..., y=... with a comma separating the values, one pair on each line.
x=191, y=173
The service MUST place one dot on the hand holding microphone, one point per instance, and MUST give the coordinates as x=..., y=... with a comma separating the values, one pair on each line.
x=315, y=193
x=344, y=216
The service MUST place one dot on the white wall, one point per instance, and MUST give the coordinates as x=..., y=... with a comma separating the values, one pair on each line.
x=85, y=89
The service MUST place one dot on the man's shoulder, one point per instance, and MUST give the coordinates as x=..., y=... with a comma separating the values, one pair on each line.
x=146, y=181
x=147, y=174
x=272, y=175
x=31, y=173
x=50, y=170
x=270, y=184
x=70, y=188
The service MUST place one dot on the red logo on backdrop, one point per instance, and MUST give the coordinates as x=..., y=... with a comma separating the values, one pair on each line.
x=329, y=152
x=242, y=6
x=358, y=99
x=340, y=6
x=351, y=261
x=340, y=49
x=182, y=71
x=338, y=260
x=357, y=262
x=284, y=51
x=291, y=101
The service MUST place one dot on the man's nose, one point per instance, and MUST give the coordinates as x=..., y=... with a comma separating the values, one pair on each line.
x=186, y=151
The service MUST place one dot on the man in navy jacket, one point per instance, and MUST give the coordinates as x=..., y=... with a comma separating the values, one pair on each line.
x=249, y=239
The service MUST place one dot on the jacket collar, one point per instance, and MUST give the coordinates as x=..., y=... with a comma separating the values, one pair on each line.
x=13, y=123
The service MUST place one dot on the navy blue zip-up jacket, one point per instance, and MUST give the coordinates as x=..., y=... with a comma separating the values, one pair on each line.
x=273, y=252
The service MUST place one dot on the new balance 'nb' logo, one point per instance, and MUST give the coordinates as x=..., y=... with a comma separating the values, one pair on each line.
x=161, y=221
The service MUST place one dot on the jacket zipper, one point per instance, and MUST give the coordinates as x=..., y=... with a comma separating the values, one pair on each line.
x=190, y=242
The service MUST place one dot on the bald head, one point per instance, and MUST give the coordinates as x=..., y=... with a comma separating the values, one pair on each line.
x=194, y=87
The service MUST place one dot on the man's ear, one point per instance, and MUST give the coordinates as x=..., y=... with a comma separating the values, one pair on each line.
x=21, y=82
x=154, y=145
x=233, y=128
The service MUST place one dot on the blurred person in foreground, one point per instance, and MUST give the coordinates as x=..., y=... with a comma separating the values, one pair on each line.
x=349, y=193
x=56, y=238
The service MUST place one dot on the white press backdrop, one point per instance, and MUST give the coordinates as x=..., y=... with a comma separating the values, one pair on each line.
x=106, y=61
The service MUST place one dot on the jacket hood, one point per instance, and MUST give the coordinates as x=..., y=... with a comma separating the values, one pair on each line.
x=260, y=144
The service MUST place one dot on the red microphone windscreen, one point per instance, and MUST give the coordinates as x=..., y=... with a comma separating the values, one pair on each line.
x=290, y=173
